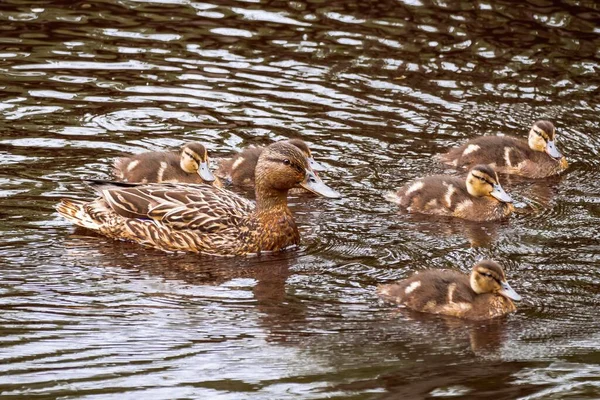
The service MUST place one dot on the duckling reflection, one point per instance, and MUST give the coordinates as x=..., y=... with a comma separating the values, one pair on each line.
x=479, y=198
x=536, y=158
x=189, y=165
x=478, y=234
x=485, y=294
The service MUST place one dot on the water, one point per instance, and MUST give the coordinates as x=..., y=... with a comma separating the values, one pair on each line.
x=376, y=88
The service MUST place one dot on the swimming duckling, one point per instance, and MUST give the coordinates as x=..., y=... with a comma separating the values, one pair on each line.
x=239, y=170
x=537, y=158
x=189, y=165
x=202, y=218
x=485, y=294
x=478, y=198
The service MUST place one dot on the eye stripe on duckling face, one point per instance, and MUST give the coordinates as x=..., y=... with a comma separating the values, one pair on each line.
x=483, y=178
x=192, y=155
x=540, y=132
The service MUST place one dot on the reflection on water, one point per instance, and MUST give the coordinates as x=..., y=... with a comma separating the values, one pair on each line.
x=376, y=89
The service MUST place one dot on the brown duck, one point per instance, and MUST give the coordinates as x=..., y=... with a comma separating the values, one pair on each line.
x=202, y=218
x=536, y=158
x=484, y=295
x=189, y=165
x=478, y=198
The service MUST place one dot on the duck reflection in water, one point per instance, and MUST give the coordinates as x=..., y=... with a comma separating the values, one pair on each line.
x=267, y=275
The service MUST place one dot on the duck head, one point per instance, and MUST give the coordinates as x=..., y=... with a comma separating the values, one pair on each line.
x=194, y=159
x=542, y=138
x=483, y=181
x=488, y=277
x=283, y=166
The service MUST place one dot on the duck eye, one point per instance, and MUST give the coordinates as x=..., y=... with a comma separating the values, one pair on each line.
x=286, y=162
x=540, y=134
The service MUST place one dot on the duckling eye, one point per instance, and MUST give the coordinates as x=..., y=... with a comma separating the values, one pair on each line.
x=539, y=133
x=286, y=162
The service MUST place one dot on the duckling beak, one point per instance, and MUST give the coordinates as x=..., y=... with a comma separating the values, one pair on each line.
x=509, y=292
x=314, y=184
x=500, y=194
x=315, y=166
x=205, y=172
x=552, y=151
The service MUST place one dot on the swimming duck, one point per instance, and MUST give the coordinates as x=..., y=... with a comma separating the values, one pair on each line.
x=484, y=295
x=189, y=165
x=239, y=170
x=478, y=198
x=537, y=158
x=202, y=218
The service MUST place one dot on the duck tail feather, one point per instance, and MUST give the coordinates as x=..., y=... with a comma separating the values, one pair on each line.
x=73, y=211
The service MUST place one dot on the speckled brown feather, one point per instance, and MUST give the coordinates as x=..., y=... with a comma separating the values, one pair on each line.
x=198, y=218
x=445, y=292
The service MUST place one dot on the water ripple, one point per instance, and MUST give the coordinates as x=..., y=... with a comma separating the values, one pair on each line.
x=377, y=90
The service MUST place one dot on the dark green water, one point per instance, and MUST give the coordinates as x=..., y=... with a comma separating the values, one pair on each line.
x=376, y=88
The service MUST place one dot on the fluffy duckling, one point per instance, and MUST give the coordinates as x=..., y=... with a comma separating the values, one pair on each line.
x=189, y=165
x=478, y=198
x=536, y=158
x=239, y=170
x=485, y=294
x=202, y=218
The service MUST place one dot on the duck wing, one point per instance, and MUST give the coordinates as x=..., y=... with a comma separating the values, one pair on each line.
x=179, y=206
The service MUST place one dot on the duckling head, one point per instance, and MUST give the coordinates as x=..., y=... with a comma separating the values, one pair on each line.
x=301, y=144
x=282, y=166
x=541, y=138
x=194, y=159
x=483, y=181
x=488, y=277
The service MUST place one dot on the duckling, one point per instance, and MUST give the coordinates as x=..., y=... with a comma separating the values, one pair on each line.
x=537, y=158
x=478, y=198
x=484, y=295
x=239, y=170
x=189, y=165
x=202, y=218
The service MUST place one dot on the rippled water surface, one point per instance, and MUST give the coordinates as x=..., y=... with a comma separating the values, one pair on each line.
x=376, y=88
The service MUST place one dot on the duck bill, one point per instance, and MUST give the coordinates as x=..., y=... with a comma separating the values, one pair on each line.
x=315, y=166
x=205, y=172
x=314, y=184
x=499, y=194
x=552, y=151
x=509, y=292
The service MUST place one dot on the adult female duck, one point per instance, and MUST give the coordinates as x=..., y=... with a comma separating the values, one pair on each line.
x=202, y=218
